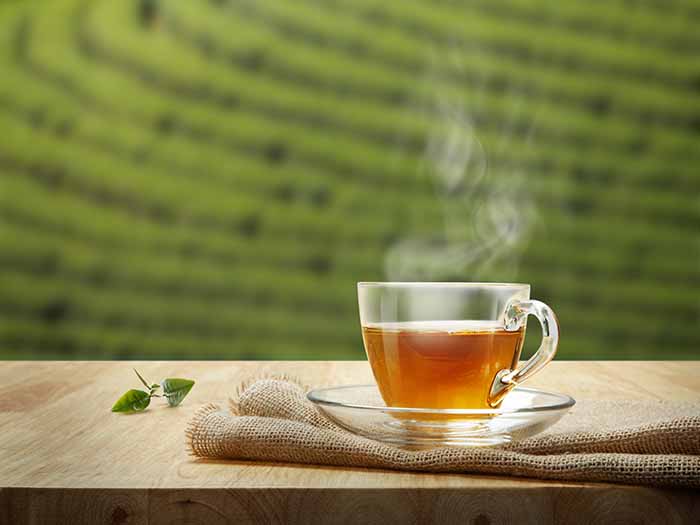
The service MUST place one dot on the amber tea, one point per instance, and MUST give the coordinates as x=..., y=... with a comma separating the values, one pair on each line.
x=440, y=364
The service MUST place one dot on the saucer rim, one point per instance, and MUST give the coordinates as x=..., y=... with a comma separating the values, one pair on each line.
x=566, y=402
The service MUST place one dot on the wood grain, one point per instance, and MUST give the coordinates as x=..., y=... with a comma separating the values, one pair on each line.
x=67, y=459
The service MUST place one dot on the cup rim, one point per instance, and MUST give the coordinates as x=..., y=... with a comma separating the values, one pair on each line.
x=427, y=284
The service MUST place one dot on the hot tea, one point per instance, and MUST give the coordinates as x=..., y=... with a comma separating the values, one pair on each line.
x=440, y=364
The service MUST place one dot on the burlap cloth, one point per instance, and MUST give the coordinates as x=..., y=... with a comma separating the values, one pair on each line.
x=635, y=442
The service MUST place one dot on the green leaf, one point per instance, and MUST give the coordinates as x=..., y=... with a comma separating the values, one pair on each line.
x=132, y=401
x=176, y=389
x=142, y=379
x=155, y=386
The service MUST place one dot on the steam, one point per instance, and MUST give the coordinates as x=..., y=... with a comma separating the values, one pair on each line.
x=488, y=212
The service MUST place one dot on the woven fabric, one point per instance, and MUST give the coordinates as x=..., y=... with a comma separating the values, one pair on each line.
x=646, y=443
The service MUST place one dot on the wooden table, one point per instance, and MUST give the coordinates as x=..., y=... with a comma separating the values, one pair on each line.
x=66, y=458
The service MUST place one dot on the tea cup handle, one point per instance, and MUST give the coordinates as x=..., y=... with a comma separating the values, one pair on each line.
x=515, y=317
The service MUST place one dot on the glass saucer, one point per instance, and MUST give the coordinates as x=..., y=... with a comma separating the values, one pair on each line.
x=360, y=409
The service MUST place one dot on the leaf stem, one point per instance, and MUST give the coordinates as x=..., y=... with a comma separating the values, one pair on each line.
x=142, y=379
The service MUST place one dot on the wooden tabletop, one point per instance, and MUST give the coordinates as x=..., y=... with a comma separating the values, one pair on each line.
x=66, y=458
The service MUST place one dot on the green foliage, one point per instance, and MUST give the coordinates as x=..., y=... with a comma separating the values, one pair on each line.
x=210, y=179
x=176, y=389
x=132, y=401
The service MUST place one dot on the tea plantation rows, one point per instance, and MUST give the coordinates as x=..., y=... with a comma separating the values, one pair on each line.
x=209, y=179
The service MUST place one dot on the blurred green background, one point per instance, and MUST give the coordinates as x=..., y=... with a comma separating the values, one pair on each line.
x=209, y=179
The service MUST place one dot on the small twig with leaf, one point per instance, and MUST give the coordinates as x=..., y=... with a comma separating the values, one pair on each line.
x=174, y=391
